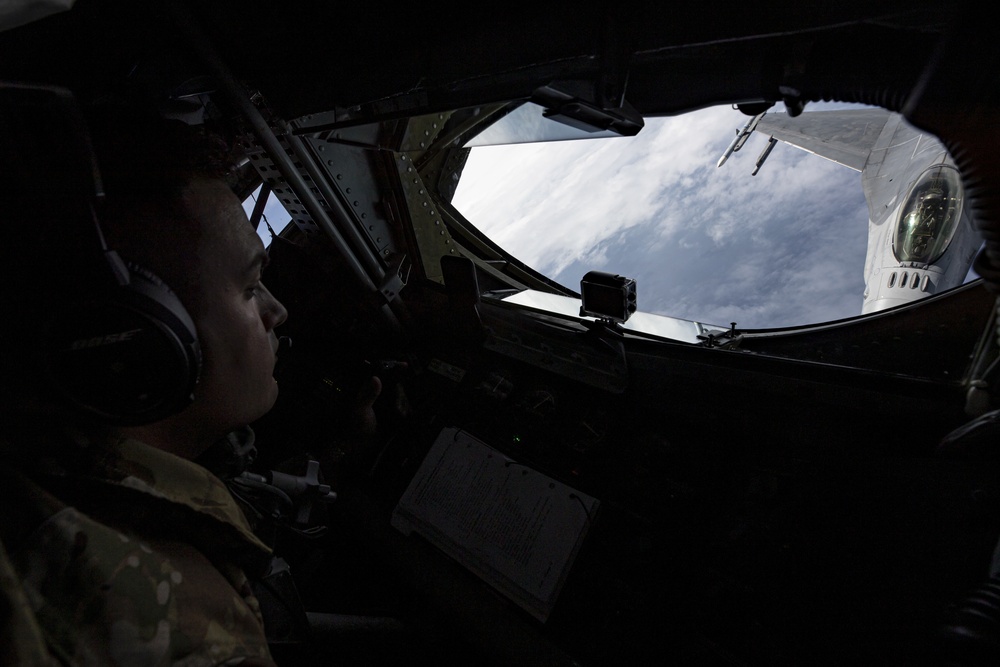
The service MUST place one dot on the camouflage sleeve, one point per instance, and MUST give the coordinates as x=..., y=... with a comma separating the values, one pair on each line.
x=21, y=640
x=87, y=593
x=110, y=598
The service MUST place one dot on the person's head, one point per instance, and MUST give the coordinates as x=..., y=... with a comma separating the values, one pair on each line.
x=168, y=207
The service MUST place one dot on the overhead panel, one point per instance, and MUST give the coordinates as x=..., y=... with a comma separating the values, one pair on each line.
x=351, y=174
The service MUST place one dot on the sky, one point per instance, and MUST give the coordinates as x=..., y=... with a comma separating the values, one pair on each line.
x=716, y=245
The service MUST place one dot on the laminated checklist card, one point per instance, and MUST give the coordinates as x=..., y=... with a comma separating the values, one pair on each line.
x=514, y=527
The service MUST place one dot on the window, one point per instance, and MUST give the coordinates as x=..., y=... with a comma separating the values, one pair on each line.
x=275, y=215
x=786, y=247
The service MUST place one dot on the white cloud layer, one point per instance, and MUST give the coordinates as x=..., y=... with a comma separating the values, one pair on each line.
x=781, y=248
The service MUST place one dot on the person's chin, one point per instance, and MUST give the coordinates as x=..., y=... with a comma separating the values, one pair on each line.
x=272, y=393
x=266, y=401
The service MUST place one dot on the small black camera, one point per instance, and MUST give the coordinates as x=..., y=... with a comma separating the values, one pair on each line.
x=607, y=296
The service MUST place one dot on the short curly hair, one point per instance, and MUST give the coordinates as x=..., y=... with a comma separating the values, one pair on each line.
x=146, y=163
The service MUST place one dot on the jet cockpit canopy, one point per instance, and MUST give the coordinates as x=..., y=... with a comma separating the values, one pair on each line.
x=929, y=216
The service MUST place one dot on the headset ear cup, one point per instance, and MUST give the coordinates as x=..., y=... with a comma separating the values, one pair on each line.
x=118, y=344
x=130, y=356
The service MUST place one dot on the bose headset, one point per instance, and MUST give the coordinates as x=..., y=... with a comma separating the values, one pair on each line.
x=123, y=349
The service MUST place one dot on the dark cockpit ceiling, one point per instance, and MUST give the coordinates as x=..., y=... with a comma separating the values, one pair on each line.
x=376, y=59
x=383, y=58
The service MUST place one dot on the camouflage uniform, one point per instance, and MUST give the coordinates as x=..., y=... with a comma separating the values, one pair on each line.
x=118, y=553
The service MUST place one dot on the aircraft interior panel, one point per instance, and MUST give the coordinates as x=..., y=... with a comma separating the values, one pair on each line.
x=752, y=515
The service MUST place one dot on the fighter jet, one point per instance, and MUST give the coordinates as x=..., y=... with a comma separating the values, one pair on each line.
x=921, y=239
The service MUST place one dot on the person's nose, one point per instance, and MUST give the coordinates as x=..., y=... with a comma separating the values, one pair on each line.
x=273, y=312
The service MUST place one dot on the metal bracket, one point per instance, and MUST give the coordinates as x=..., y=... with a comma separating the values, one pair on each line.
x=729, y=339
x=394, y=281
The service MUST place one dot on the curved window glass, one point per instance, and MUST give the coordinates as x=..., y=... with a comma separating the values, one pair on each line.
x=929, y=217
